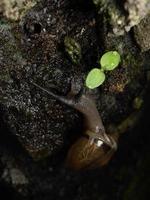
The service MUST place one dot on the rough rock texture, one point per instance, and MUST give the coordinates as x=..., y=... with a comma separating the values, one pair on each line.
x=32, y=124
x=33, y=50
x=142, y=32
x=14, y=9
x=124, y=14
x=137, y=10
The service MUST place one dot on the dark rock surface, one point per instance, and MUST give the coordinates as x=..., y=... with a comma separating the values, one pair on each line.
x=33, y=51
x=32, y=125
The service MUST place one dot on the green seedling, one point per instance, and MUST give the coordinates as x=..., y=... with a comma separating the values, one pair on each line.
x=95, y=78
x=109, y=61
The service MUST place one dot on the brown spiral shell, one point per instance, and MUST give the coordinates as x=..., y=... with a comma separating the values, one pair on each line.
x=89, y=153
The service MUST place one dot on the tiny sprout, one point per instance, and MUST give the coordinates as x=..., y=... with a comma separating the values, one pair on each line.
x=73, y=49
x=108, y=62
x=95, y=78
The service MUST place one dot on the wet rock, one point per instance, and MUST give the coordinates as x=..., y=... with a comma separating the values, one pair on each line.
x=33, y=50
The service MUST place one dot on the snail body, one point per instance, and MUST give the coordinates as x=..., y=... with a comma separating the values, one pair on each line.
x=94, y=148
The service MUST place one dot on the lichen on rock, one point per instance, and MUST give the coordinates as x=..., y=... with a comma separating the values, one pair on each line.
x=124, y=15
x=142, y=32
x=14, y=9
x=137, y=10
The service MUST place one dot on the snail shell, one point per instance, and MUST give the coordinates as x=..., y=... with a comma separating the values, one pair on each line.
x=90, y=152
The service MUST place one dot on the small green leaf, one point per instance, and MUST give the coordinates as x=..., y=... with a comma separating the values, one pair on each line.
x=110, y=60
x=95, y=78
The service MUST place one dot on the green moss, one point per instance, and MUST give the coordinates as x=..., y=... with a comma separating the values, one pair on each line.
x=137, y=103
x=73, y=49
x=100, y=3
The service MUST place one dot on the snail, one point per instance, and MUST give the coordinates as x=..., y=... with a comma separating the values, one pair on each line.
x=94, y=148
